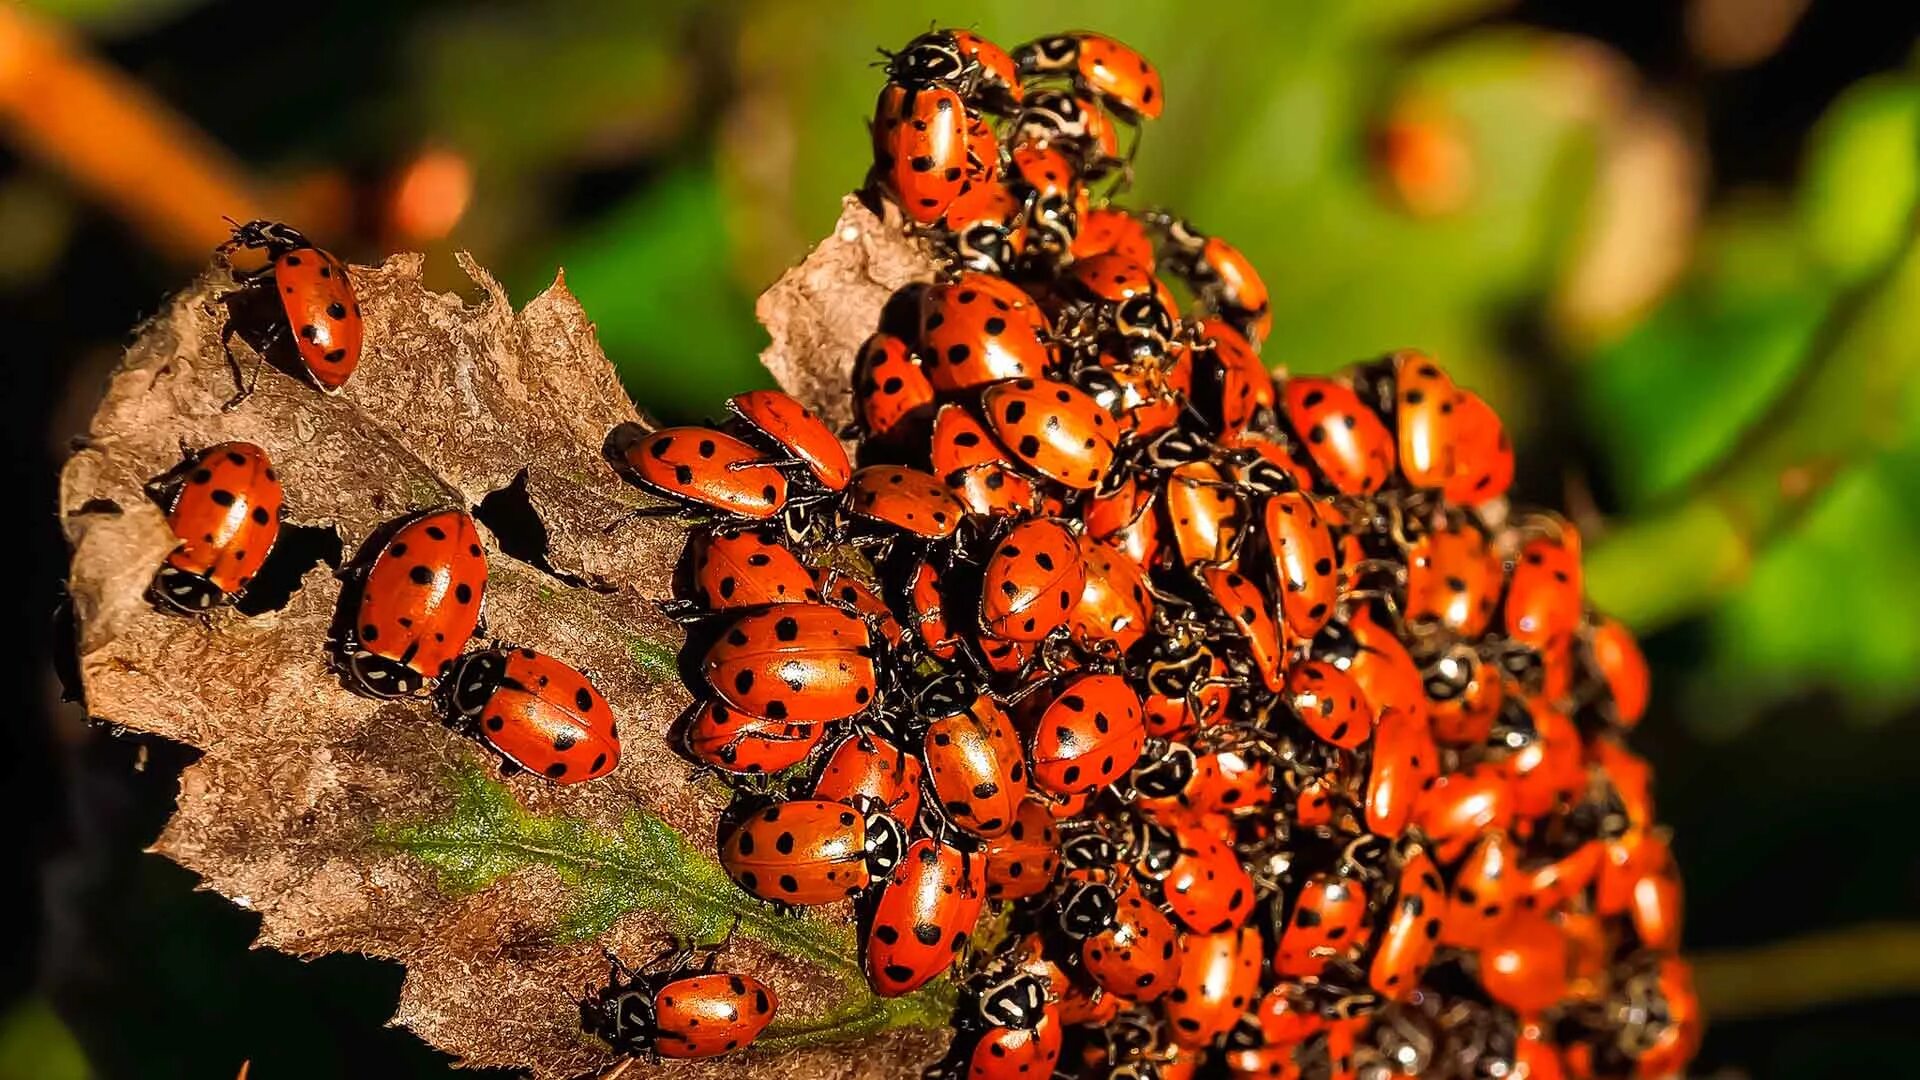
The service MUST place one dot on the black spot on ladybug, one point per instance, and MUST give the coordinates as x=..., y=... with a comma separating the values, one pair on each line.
x=556, y=770
x=421, y=574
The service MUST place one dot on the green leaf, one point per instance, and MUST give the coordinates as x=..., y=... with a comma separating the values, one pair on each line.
x=648, y=865
x=35, y=1045
x=1863, y=176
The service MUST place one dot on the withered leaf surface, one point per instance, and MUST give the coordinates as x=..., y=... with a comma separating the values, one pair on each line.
x=351, y=824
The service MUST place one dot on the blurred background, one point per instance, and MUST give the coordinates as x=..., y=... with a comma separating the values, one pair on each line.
x=1674, y=243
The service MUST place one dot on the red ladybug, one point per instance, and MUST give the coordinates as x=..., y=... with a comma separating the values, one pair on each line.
x=1100, y=65
x=1347, y=442
x=1054, y=428
x=923, y=917
x=1206, y=515
x=979, y=329
x=1330, y=702
x=1088, y=735
x=1464, y=696
x=1206, y=888
x=812, y=851
x=1412, y=932
x=669, y=1013
x=1138, y=954
x=1374, y=656
x=1327, y=921
x=537, y=712
x=1525, y=967
x=1032, y=581
x=1483, y=455
x=224, y=507
x=978, y=469
x=1113, y=229
x=1252, y=618
x=1115, y=604
x=1023, y=860
x=920, y=147
x=1239, y=391
x=730, y=571
x=1049, y=181
x=986, y=225
x=974, y=762
x=1223, y=279
x=732, y=741
x=796, y=663
x=866, y=764
x=927, y=611
x=1123, y=519
x=1424, y=402
x=419, y=603
x=1622, y=666
x=998, y=77
x=703, y=468
x=1403, y=761
x=910, y=500
x=797, y=431
x=1459, y=806
x=1017, y=1053
x=1304, y=560
x=889, y=389
x=1453, y=581
x=316, y=292
x=843, y=588
x=1218, y=983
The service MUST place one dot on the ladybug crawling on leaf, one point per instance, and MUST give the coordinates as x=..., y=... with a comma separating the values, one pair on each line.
x=316, y=294
x=670, y=1011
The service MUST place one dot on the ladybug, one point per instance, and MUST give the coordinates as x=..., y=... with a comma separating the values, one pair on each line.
x=1525, y=967
x=797, y=431
x=1032, y=581
x=1543, y=606
x=671, y=1013
x=732, y=741
x=1050, y=117
x=1124, y=519
x=974, y=762
x=855, y=595
x=1622, y=667
x=1303, y=562
x=1218, y=983
x=796, y=663
x=1655, y=906
x=1052, y=427
x=1465, y=696
x=813, y=851
x=1206, y=888
x=1088, y=735
x=316, y=292
x=1114, y=278
x=1550, y=885
x=1247, y=609
x=1223, y=278
x=1374, y=656
x=1226, y=780
x=1547, y=770
x=537, y=712
x=1099, y=65
x=224, y=506
x=1330, y=702
x=920, y=147
x=1403, y=760
x=730, y=571
x=1459, y=806
x=923, y=917
x=1453, y=582
x=1239, y=392
x=1115, y=604
x=997, y=77
x=1425, y=399
x=1206, y=515
x=980, y=473
x=419, y=603
x=1412, y=932
x=910, y=500
x=1482, y=456
x=1017, y=1053
x=1111, y=229
x=1352, y=448
x=870, y=765
x=960, y=440
x=703, y=468
x=1023, y=860
x=889, y=389
x=1328, y=921
x=927, y=611
x=979, y=329
x=987, y=227
x=1049, y=183
x=1137, y=955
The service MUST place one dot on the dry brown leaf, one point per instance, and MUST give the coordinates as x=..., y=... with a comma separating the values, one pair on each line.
x=356, y=825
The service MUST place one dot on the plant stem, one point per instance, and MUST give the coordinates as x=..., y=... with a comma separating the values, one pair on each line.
x=1820, y=969
x=1846, y=406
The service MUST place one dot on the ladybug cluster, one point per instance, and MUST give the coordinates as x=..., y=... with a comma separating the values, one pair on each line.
x=1181, y=710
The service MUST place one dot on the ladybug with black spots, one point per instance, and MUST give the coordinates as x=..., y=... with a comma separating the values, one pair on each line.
x=539, y=713
x=419, y=603
x=923, y=916
x=1098, y=65
x=796, y=663
x=702, y=469
x=673, y=1011
x=316, y=294
x=224, y=506
x=802, y=852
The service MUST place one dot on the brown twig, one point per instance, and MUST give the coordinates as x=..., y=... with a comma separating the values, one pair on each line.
x=116, y=140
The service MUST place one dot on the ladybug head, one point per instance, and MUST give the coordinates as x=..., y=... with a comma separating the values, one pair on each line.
x=187, y=591
x=382, y=677
x=1087, y=909
x=1165, y=769
x=1451, y=674
x=1017, y=1001
x=274, y=236
x=473, y=681
x=886, y=839
x=1047, y=54
x=932, y=59
x=623, y=1014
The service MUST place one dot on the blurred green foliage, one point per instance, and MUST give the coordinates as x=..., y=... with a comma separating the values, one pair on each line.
x=35, y=1045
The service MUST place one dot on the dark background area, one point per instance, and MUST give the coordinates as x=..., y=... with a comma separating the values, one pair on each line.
x=1789, y=784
